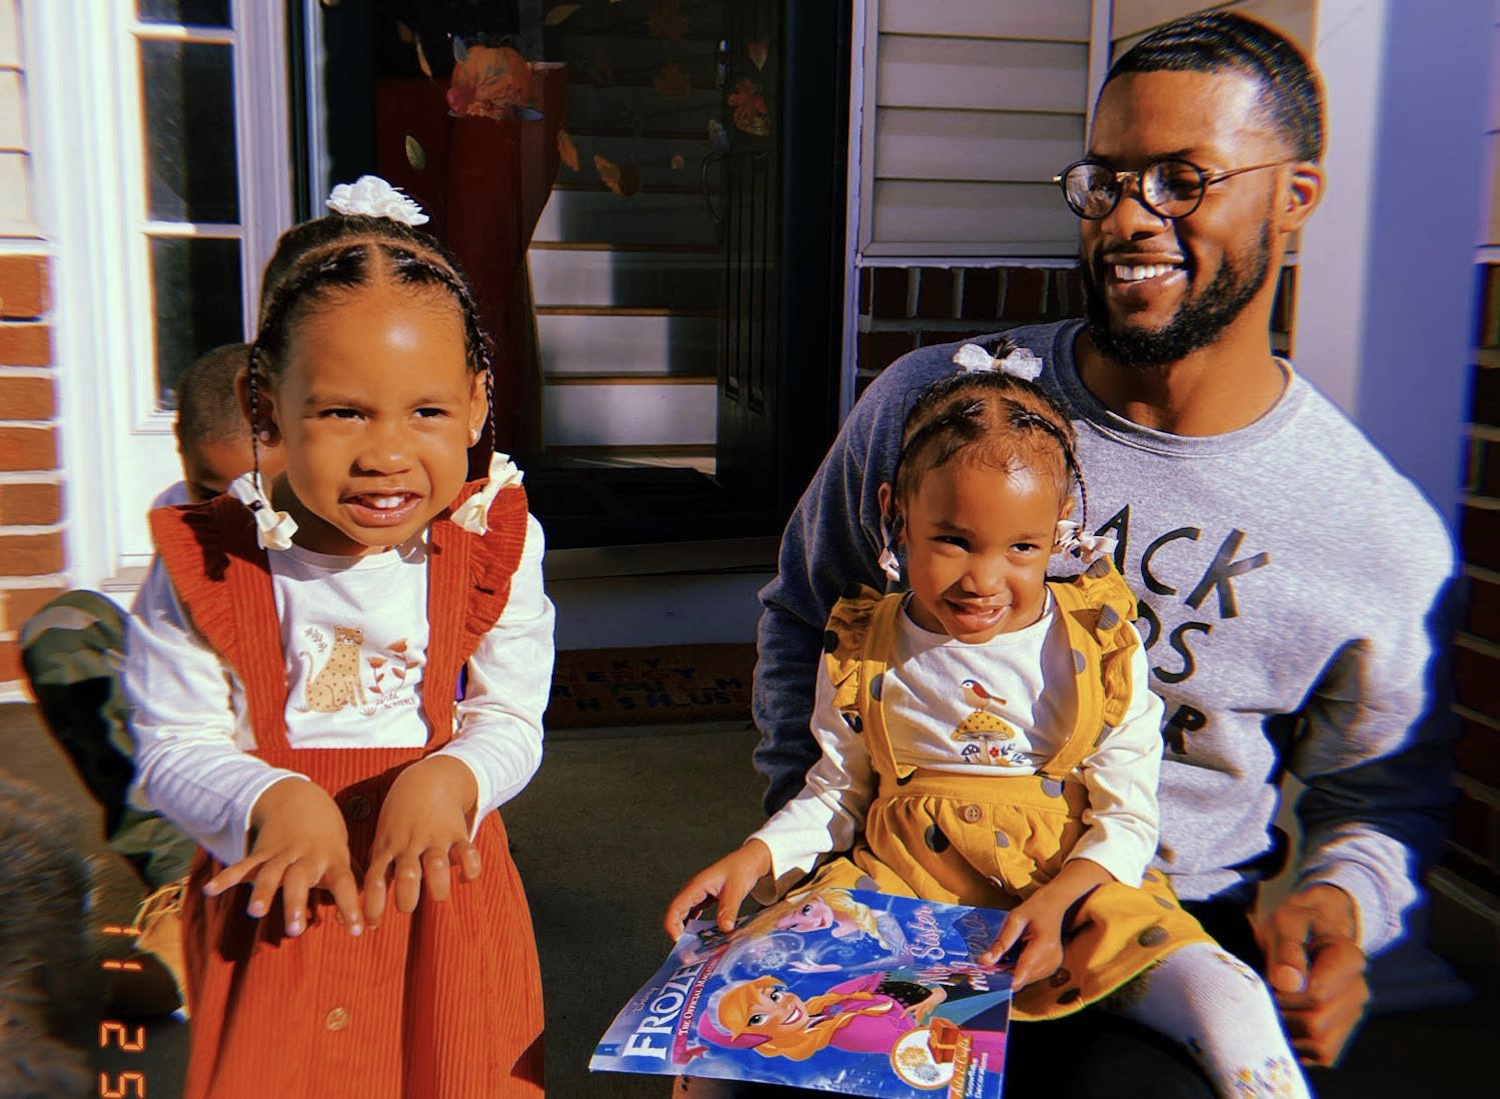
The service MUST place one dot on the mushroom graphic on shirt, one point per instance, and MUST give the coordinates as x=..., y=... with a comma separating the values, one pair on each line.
x=985, y=730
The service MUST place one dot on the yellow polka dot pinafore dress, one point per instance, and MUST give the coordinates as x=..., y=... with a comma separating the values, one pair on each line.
x=991, y=840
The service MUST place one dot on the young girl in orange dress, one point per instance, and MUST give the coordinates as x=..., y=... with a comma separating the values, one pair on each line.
x=337, y=679
x=989, y=739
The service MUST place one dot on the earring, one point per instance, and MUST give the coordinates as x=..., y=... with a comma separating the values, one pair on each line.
x=473, y=435
x=889, y=563
x=264, y=435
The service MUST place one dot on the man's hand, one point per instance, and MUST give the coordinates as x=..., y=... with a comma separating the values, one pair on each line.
x=421, y=833
x=1316, y=970
x=300, y=844
x=730, y=880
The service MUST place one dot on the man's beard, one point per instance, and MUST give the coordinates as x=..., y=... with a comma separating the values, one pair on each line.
x=1197, y=322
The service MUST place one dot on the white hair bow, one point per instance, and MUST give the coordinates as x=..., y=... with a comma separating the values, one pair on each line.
x=1087, y=547
x=1019, y=362
x=371, y=196
x=273, y=529
x=473, y=514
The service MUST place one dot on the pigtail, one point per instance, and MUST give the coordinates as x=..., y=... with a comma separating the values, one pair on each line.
x=258, y=434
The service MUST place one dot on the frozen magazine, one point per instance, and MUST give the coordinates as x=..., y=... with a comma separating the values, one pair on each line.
x=839, y=990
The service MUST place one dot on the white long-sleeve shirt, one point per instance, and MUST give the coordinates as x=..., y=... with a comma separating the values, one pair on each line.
x=355, y=634
x=1028, y=679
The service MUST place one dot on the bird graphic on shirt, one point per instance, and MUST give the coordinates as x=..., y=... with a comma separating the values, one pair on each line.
x=985, y=729
x=978, y=698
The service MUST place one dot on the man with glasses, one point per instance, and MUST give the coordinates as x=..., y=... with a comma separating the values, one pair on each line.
x=1290, y=578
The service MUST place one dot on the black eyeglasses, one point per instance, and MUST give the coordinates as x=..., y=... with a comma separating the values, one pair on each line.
x=1169, y=188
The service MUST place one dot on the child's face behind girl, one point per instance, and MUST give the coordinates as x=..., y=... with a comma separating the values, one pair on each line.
x=376, y=407
x=978, y=541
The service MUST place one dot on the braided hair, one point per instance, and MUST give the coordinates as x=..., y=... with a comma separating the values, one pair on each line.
x=992, y=418
x=319, y=259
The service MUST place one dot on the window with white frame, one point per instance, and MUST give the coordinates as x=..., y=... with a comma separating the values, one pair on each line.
x=192, y=230
x=163, y=154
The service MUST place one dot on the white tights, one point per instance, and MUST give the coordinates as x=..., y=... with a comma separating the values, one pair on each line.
x=1220, y=1009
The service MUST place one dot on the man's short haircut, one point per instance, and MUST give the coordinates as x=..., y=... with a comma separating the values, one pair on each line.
x=1214, y=42
x=208, y=404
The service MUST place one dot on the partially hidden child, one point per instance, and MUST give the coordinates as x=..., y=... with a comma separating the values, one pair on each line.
x=336, y=680
x=72, y=651
x=988, y=738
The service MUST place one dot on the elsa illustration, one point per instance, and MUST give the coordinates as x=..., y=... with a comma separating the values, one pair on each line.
x=830, y=909
x=834, y=910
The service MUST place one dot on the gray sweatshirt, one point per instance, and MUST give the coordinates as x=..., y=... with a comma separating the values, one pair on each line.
x=1292, y=586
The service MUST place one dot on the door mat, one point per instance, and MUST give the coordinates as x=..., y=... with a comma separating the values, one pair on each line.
x=669, y=683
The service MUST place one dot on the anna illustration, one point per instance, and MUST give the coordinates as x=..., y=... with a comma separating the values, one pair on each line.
x=867, y=1014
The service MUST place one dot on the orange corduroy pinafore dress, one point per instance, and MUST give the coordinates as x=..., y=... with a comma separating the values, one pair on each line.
x=444, y=1003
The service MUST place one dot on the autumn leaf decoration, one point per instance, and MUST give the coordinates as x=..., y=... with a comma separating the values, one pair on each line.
x=666, y=20
x=560, y=13
x=416, y=156
x=671, y=82
x=624, y=180
x=567, y=150
x=411, y=38
x=490, y=82
x=750, y=111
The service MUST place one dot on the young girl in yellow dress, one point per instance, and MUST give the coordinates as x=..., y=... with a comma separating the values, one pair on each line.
x=989, y=739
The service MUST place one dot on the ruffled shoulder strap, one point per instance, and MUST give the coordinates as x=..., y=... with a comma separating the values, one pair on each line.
x=223, y=580
x=857, y=644
x=844, y=643
x=1097, y=608
x=468, y=586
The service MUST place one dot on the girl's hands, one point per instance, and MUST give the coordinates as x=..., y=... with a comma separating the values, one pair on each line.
x=730, y=880
x=421, y=832
x=300, y=844
x=1037, y=922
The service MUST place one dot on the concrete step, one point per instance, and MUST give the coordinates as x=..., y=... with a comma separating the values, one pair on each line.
x=642, y=219
x=644, y=412
x=616, y=277
x=621, y=342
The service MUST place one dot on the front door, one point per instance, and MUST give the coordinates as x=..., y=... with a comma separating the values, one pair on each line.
x=784, y=110
x=613, y=176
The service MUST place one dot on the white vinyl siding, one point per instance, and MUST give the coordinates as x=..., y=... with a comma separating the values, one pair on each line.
x=973, y=106
x=1133, y=19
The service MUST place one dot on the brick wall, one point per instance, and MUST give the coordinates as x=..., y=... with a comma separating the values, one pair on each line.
x=31, y=484
x=1474, y=850
x=901, y=308
x=31, y=490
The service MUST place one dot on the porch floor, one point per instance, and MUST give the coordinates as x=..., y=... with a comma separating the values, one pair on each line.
x=660, y=803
